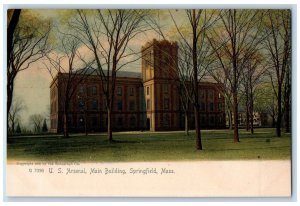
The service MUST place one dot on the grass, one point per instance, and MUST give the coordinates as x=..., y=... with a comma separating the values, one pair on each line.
x=144, y=146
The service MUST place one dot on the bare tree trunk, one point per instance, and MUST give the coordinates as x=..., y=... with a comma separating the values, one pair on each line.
x=195, y=69
x=66, y=120
x=10, y=75
x=10, y=89
x=235, y=117
x=279, y=115
x=287, y=105
x=247, y=112
x=252, y=129
x=229, y=114
x=198, y=133
x=109, y=129
x=251, y=112
x=287, y=114
x=10, y=32
x=230, y=119
x=186, y=121
x=273, y=121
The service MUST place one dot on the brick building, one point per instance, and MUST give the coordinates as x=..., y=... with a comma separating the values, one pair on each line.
x=143, y=101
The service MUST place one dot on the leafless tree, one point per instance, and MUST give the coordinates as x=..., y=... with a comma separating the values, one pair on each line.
x=287, y=101
x=14, y=114
x=27, y=43
x=106, y=33
x=199, y=21
x=265, y=101
x=218, y=76
x=234, y=41
x=13, y=19
x=36, y=120
x=278, y=49
x=185, y=74
x=194, y=58
x=69, y=76
x=252, y=77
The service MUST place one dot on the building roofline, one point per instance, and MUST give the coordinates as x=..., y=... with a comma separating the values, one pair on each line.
x=156, y=42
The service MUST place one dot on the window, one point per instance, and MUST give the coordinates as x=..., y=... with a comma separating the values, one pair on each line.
x=81, y=121
x=148, y=90
x=148, y=104
x=94, y=104
x=80, y=89
x=220, y=119
x=120, y=121
x=120, y=105
x=220, y=95
x=166, y=103
x=166, y=120
x=166, y=88
x=202, y=94
x=94, y=90
x=211, y=94
x=119, y=91
x=132, y=121
x=202, y=119
x=220, y=106
x=131, y=91
x=81, y=104
x=212, y=120
x=202, y=106
x=131, y=105
x=211, y=106
x=94, y=121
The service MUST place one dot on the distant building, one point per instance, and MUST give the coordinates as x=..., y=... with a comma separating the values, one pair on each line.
x=242, y=121
x=143, y=101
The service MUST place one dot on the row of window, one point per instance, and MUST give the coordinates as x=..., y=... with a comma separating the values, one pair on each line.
x=94, y=105
x=166, y=105
x=120, y=91
x=120, y=105
x=93, y=90
x=95, y=121
x=210, y=94
x=211, y=106
x=164, y=86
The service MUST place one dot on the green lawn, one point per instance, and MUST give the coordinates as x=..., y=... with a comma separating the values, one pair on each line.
x=144, y=146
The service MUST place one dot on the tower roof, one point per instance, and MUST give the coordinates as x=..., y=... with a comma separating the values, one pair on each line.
x=163, y=42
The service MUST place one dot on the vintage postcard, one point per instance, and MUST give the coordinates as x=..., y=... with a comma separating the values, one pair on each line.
x=149, y=102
